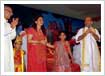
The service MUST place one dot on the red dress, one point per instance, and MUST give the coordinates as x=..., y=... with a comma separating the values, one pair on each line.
x=36, y=53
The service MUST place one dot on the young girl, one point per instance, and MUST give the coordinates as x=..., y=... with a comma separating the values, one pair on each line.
x=18, y=55
x=62, y=53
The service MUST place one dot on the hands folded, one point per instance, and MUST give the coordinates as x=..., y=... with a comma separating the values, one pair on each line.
x=90, y=30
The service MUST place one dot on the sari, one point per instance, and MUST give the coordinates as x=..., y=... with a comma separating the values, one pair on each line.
x=36, y=53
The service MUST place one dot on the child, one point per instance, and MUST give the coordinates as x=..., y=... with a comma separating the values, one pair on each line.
x=18, y=55
x=62, y=53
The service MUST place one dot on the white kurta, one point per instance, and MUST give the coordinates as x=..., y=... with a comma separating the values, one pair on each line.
x=90, y=57
x=9, y=34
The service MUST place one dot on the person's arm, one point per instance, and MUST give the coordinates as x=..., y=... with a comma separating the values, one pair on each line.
x=69, y=50
x=13, y=28
x=50, y=46
x=79, y=33
x=45, y=42
x=14, y=22
x=32, y=41
x=13, y=33
x=10, y=32
x=83, y=35
x=94, y=34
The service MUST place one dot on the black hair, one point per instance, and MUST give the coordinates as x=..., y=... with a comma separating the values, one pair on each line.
x=60, y=34
x=89, y=17
x=24, y=26
x=35, y=26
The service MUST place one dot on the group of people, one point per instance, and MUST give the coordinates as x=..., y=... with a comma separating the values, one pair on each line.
x=31, y=54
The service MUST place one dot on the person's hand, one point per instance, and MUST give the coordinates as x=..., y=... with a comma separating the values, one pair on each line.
x=14, y=22
x=92, y=30
x=50, y=51
x=50, y=45
x=43, y=42
x=87, y=31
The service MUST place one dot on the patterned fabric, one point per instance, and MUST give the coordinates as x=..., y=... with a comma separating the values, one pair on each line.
x=19, y=60
x=61, y=57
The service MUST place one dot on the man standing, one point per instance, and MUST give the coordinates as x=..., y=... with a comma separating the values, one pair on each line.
x=9, y=35
x=90, y=57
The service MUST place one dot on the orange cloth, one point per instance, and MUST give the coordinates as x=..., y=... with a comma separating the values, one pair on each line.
x=19, y=60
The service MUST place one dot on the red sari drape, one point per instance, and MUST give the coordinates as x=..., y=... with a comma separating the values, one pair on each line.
x=36, y=53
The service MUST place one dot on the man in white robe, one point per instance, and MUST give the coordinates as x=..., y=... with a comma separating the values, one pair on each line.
x=90, y=57
x=9, y=35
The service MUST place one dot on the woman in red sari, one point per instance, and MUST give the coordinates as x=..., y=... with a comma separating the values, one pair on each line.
x=37, y=47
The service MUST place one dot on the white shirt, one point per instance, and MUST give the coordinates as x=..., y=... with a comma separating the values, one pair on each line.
x=9, y=35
